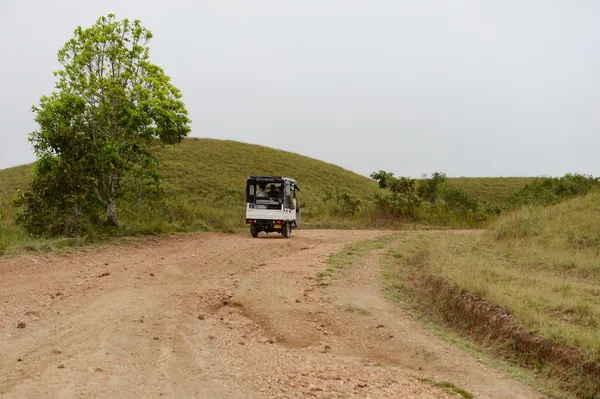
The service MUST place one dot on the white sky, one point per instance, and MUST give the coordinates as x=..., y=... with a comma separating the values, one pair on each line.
x=469, y=88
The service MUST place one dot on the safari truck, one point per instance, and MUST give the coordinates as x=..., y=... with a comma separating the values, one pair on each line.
x=272, y=205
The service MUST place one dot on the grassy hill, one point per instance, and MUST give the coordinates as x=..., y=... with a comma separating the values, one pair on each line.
x=208, y=168
x=493, y=190
x=208, y=178
x=12, y=179
x=540, y=264
x=199, y=167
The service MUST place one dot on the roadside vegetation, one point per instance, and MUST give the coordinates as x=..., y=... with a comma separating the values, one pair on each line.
x=528, y=288
x=343, y=261
x=449, y=388
x=549, y=191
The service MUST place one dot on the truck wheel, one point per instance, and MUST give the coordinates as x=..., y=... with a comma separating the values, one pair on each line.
x=286, y=230
x=254, y=230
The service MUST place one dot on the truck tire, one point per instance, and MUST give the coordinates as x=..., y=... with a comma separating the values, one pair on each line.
x=254, y=230
x=286, y=230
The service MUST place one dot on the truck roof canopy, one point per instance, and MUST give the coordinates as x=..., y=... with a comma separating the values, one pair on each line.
x=272, y=179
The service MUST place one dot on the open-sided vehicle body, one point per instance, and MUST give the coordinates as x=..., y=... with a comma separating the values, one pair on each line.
x=272, y=205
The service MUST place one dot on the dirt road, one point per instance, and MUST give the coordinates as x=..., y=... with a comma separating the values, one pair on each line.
x=219, y=316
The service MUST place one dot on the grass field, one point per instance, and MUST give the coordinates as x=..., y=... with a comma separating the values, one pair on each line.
x=493, y=190
x=538, y=269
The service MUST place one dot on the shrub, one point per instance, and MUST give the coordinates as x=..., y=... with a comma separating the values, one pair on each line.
x=552, y=190
x=342, y=203
x=429, y=199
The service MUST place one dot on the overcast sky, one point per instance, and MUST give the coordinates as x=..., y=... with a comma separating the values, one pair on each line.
x=469, y=88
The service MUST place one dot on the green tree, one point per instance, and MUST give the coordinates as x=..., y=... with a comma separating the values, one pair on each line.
x=429, y=188
x=97, y=131
x=402, y=196
x=385, y=179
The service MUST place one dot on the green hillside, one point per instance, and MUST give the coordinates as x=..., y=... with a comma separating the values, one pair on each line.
x=207, y=178
x=208, y=169
x=218, y=156
x=493, y=190
x=542, y=265
x=12, y=179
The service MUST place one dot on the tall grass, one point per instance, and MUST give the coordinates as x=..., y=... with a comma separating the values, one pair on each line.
x=541, y=266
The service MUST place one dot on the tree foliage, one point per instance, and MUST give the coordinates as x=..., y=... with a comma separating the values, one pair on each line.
x=96, y=133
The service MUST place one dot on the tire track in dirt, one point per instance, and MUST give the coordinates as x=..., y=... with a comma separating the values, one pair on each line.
x=352, y=319
x=385, y=334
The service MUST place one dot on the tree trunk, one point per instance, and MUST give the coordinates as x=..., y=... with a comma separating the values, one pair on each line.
x=76, y=211
x=141, y=186
x=111, y=212
x=111, y=204
x=140, y=199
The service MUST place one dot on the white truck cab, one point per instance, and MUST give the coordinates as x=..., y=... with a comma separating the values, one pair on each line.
x=272, y=205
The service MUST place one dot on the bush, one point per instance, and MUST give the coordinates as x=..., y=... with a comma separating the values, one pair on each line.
x=342, y=203
x=552, y=190
x=430, y=200
x=402, y=199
